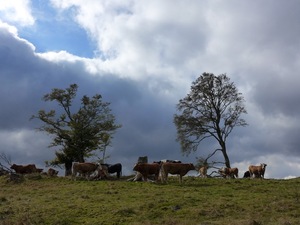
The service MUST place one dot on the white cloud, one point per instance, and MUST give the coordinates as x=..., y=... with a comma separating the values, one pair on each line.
x=25, y=145
x=138, y=39
x=12, y=30
x=61, y=56
x=17, y=12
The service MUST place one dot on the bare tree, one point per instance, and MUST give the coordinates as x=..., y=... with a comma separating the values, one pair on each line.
x=211, y=110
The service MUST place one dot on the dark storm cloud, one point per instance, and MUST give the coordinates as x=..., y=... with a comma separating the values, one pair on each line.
x=279, y=94
x=262, y=45
x=146, y=119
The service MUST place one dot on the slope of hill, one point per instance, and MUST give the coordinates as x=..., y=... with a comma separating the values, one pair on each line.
x=62, y=201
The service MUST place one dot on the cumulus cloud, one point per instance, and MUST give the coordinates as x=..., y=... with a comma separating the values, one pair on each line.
x=17, y=11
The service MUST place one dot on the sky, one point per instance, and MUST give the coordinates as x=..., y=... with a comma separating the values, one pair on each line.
x=142, y=57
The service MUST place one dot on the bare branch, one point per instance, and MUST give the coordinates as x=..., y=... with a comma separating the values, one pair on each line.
x=7, y=160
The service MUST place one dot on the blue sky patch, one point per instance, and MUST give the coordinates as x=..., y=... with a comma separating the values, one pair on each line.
x=56, y=32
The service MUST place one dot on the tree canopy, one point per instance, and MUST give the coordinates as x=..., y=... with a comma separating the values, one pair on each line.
x=212, y=109
x=78, y=133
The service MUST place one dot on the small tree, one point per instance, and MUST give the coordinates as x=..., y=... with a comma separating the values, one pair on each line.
x=106, y=140
x=78, y=134
x=211, y=109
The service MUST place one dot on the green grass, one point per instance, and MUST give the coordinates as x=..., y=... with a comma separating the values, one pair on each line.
x=61, y=201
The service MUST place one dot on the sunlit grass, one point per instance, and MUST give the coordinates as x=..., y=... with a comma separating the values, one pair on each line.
x=197, y=201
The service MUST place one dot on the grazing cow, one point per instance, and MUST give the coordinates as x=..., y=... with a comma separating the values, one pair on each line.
x=257, y=171
x=115, y=168
x=175, y=168
x=38, y=170
x=229, y=172
x=203, y=171
x=246, y=174
x=85, y=169
x=147, y=169
x=30, y=168
x=52, y=172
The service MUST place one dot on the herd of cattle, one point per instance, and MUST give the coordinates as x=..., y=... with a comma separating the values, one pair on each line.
x=253, y=171
x=31, y=168
x=87, y=169
x=163, y=168
x=159, y=170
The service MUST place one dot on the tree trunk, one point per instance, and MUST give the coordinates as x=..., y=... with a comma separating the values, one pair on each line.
x=227, y=162
x=226, y=158
x=68, y=167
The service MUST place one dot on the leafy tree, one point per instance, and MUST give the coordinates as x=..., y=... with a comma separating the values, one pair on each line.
x=211, y=109
x=78, y=134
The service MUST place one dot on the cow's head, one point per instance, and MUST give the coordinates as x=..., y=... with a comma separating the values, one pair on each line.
x=192, y=167
x=263, y=165
x=136, y=166
x=13, y=166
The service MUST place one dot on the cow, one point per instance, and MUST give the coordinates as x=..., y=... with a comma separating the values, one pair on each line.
x=203, y=171
x=175, y=168
x=39, y=170
x=20, y=169
x=85, y=169
x=52, y=172
x=147, y=169
x=246, y=174
x=229, y=172
x=257, y=171
x=114, y=168
x=167, y=160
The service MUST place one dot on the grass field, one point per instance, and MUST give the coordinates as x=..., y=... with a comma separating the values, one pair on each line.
x=61, y=201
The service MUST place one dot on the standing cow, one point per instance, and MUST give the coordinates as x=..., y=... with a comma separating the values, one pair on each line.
x=203, y=171
x=114, y=168
x=257, y=171
x=85, y=169
x=147, y=169
x=175, y=168
x=229, y=172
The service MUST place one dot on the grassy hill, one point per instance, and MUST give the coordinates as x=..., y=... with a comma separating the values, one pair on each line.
x=61, y=201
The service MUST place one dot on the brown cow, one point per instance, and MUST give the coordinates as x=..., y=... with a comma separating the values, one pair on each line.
x=229, y=172
x=257, y=171
x=39, y=170
x=175, y=168
x=203, y=171
x=52, y=172
x=147, y=169
x=30, y=168
x=85, y=169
